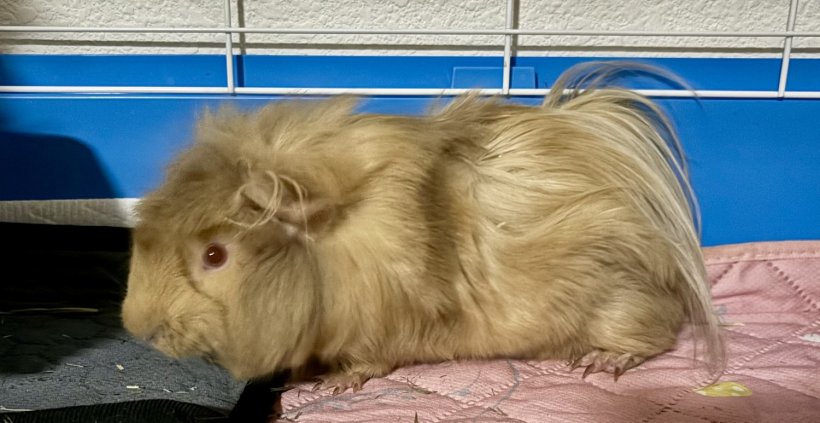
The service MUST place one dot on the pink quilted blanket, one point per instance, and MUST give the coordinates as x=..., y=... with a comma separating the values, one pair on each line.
x=768, y=295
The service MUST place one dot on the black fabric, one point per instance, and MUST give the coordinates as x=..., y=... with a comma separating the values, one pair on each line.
x=55, y=358
x=147, y=411
x=260, y=400
x=257, y=404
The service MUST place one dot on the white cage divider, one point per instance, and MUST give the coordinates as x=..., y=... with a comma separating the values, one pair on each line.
x=787, y=50
x=229, y=69
x=508, y=32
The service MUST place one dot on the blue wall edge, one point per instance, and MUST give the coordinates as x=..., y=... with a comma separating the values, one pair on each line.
x=372, y=71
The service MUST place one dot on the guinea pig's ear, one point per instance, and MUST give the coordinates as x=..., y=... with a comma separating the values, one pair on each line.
x=267, y=197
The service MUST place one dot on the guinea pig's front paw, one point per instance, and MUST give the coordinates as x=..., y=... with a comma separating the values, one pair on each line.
x=341, y=382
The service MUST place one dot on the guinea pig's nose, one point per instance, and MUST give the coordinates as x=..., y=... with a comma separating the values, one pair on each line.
x=152, y=337
x=148, y=329
x=149, y=335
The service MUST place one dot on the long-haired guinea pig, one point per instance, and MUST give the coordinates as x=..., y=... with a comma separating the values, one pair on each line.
x=307, y=233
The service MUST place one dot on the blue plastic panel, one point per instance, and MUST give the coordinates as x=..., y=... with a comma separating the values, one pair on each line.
x=755, y=163
x=367, y=71
x=471, y=77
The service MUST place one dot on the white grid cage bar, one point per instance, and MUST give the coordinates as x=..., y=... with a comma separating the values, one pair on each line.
x=508, y=32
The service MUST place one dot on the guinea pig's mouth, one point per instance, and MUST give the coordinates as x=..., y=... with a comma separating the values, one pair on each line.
x=210, y=358
x=177, y=342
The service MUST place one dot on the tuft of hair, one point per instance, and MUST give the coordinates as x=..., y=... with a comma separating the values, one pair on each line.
x=225, y=177
x=661, y=178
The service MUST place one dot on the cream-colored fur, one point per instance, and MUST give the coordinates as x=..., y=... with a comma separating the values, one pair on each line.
x=367, y=242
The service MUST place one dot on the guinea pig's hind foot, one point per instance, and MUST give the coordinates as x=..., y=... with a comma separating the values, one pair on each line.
x=606, y=361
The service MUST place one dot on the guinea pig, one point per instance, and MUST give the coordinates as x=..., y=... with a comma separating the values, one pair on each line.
x=306, y=232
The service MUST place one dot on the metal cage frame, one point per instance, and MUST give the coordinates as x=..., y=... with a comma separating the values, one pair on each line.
x=507, y=32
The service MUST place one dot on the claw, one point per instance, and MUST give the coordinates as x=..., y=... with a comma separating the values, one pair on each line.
x=594, y=367
x=618, y=372
x=589, y=370
x=339, y=383
x=606, y=361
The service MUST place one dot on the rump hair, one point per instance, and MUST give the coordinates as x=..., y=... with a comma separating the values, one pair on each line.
x=663, y=175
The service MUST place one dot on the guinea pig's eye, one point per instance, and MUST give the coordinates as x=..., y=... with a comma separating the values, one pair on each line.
x=215, y=256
